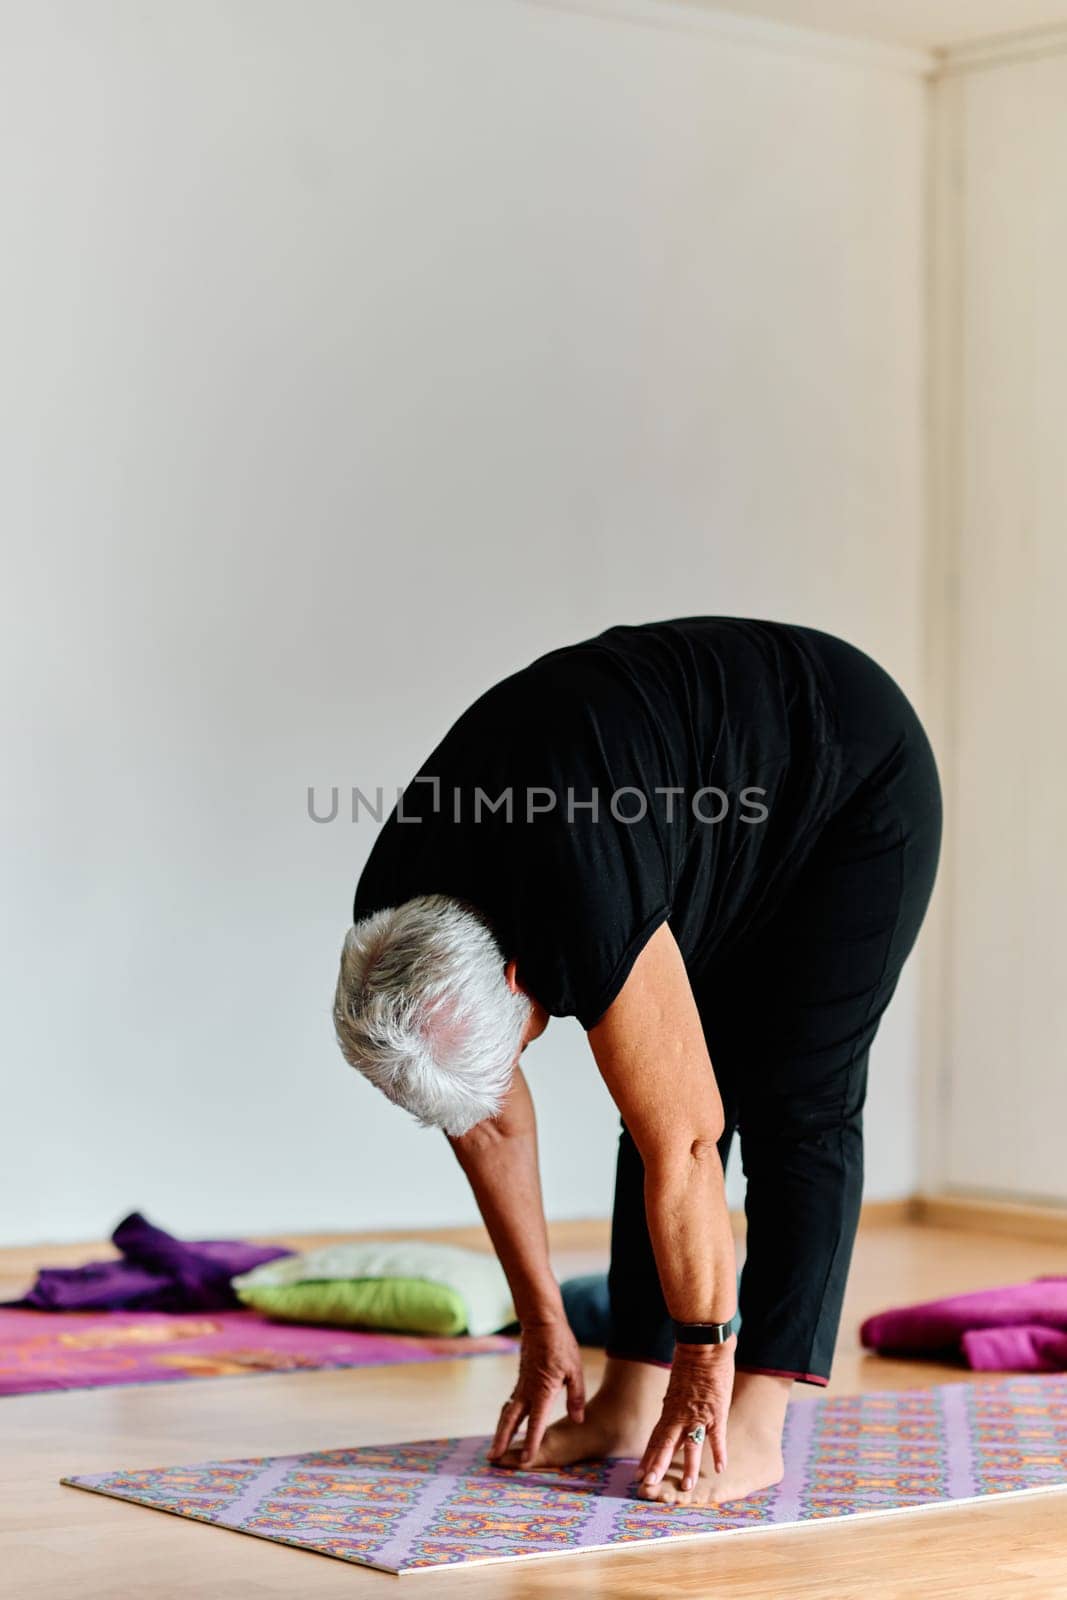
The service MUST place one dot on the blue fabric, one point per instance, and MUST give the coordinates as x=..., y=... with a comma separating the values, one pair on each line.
x=585, y=1300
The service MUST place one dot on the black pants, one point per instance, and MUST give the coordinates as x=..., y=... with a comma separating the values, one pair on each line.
x=789, y=1017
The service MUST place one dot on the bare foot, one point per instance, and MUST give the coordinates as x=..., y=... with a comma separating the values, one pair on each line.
x=603, y=1433
x=618, y=1420
x=753, y=1448
x=754, y=1462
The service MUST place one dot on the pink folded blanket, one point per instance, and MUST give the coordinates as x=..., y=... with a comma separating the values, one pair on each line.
x=1019, y=1328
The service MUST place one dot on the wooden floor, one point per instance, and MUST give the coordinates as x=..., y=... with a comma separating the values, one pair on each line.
x=57, y=1542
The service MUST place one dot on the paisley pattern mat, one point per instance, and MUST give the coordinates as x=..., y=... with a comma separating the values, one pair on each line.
x=436, y=1502
x=45, y=1350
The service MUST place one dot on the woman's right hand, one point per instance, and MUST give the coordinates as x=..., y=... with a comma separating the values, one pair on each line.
x=549, y=1360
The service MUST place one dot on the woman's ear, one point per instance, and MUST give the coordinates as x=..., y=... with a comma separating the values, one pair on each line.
x=511, y=973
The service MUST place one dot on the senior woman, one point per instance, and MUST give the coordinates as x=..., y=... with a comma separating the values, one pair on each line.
x=712, y=841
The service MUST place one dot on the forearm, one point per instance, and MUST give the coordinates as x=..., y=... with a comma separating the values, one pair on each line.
x=653, y=1056
x=689, y=1224
x=499, y=1158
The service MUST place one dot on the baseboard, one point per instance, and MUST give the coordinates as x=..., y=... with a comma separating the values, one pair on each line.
x=591, y=1235
x=572, y=1233
x=1005, y=1218
x=874, y=1214
x=567, y=1234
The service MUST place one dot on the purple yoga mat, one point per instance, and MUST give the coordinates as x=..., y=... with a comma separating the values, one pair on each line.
x=437, y=1502
x=42, y=1350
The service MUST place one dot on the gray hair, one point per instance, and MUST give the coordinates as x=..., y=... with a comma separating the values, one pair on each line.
x=425, y=1012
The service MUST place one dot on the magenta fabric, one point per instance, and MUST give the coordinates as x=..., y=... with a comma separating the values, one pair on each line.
x=1026, y=1349
x=438, y=1502
x=156, y=1272
x=42, y=1350
x=1019, y=1328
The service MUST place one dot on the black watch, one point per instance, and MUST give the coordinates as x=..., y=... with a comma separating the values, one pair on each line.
x=702, y=1332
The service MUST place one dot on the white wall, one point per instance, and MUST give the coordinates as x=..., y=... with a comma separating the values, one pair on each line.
x=1004, y=1089
x=354, y=353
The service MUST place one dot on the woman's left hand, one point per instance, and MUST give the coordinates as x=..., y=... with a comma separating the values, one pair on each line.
x=698, y=1395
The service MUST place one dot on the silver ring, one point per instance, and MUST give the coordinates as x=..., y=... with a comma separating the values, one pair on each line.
x=698, y=1434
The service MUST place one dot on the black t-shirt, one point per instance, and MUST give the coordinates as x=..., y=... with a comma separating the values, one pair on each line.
x=680, y=770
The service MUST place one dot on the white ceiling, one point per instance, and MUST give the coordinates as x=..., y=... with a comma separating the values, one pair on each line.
x=924, y=23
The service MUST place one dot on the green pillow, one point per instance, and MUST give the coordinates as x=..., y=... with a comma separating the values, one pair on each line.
x=408, y=1305
x=407, y=1285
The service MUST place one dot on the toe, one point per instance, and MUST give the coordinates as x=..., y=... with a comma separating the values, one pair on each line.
x=664, y=1493
x=563, y=1443
x=651, y=1491
x=557, y=1447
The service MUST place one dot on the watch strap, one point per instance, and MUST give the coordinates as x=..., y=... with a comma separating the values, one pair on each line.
x=702, y=1332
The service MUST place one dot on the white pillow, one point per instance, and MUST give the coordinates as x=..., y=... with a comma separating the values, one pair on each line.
x=473, y=1274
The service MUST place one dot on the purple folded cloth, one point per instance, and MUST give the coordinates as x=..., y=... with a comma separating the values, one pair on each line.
x=156, y=1273
x=1019, y=1328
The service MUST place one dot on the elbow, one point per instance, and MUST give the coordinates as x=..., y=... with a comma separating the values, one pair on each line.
x=477, y=1141
x=705, y=1130
x=705, y=1146
x=685, y=1158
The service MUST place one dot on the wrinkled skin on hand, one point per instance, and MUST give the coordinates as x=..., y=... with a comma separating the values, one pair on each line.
x=549, y=1360
x=699, y=1391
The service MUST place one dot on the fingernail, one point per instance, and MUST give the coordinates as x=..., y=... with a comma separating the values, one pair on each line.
x=687, y=1483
